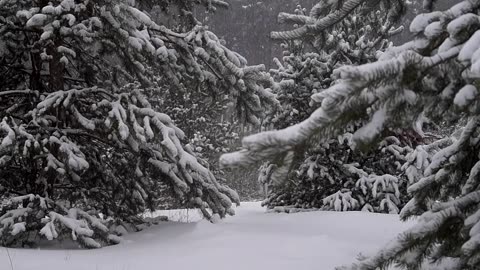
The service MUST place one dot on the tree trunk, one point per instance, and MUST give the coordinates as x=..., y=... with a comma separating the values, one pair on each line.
x=56, y=68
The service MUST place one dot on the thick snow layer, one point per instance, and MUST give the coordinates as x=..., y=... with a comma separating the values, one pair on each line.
x=250, y=240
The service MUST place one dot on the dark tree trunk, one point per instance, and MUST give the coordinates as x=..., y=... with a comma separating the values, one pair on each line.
x=56, y=68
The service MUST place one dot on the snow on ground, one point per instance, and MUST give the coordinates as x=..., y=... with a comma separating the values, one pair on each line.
x=250, y=240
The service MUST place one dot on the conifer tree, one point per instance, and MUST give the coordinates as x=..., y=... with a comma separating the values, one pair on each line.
x=435, y=75
x=83, y=142
x=328, y=174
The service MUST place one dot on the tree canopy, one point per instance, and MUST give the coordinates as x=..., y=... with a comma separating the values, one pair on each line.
x=80, y=135
x=435, y=75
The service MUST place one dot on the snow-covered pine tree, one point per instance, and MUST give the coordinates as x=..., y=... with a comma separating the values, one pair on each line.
x=329, y=175
x=206, y=116
x=81, y=144
x=335, y=177
x=179, y=15
x=208, y=121
x=435, y=75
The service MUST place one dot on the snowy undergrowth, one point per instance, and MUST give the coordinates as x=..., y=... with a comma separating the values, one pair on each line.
x=252, y=239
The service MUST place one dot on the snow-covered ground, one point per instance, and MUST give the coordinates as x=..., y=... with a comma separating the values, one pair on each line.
x=250, y=240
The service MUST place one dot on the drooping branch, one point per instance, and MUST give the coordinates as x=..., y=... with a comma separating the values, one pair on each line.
x=321, y=24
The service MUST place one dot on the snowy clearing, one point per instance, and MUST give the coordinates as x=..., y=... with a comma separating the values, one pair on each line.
x=250, y=240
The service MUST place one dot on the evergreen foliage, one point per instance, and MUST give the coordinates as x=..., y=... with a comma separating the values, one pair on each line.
x=435, y=75
x=83, y=141
x=329, y=175
x=335, y=177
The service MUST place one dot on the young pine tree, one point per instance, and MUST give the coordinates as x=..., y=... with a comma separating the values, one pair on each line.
x=435, y=75
x=81, y=143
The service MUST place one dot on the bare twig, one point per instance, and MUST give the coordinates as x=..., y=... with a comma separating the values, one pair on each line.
x=17, y=92
x=9, y=258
